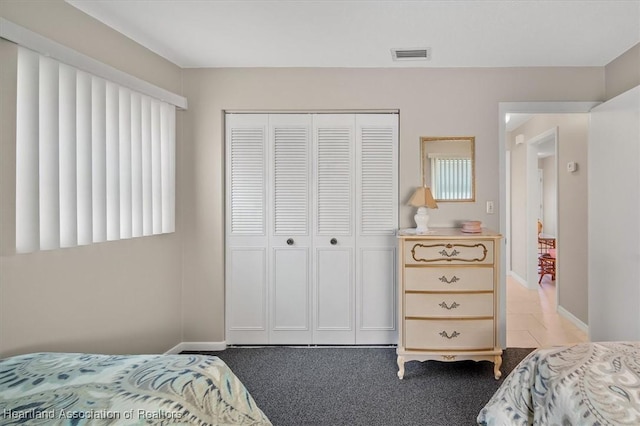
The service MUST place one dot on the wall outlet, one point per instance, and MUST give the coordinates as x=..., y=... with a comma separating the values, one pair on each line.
x=490, y=207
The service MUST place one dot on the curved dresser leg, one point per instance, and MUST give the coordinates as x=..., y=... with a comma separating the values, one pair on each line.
x=497, y=361
x=400, y=367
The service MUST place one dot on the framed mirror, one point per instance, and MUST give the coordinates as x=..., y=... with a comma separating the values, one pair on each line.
x=448, y=167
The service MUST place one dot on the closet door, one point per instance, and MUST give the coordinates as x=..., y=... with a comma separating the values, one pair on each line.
x=376, y=224
x=311, y=215
x=334, y=233
x=290, y=228
x=246, y=229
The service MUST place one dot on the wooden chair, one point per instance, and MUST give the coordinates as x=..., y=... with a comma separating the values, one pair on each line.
x=547, y=265
x=546, y=255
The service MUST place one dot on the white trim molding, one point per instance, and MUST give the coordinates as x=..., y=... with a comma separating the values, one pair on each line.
x=519, y=279
x=569, y=316
x=197, y=346
x=36, y=42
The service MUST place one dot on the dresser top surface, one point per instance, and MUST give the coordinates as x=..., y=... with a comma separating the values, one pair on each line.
x=443, y=233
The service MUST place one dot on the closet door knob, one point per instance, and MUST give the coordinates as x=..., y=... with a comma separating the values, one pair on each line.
x=290, y=241
x=333, y=241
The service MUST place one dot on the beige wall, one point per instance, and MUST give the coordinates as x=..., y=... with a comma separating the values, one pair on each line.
x=623, y=73
x=115, y=297
x=572, y=206
x=432, y=102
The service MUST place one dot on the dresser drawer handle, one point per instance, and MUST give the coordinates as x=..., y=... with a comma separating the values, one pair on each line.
x=445, y=334
x=453, y=305
x=451, y=281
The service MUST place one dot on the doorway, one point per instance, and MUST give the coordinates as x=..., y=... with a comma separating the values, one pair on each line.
x=528, y=239
x=541, y=207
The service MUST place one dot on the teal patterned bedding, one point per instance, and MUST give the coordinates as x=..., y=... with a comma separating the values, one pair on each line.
x=585, y=384
x=85, y=389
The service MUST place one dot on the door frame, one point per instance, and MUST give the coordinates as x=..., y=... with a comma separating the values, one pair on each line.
x=534, y=196
x=556, y=107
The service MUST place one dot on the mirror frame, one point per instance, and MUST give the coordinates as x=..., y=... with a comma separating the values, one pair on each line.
x=424, y=162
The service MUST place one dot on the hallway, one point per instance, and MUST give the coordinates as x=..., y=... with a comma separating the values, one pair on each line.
x=532, y=320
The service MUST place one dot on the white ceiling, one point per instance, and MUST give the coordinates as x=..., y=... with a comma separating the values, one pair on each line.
x=361, y=33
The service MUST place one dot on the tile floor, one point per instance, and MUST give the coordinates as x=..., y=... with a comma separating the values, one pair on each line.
x=532, y=320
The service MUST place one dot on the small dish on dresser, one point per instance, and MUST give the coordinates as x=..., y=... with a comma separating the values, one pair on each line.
x=472, y=227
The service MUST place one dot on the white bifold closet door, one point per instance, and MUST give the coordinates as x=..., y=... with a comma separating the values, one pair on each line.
x=311, y=216
x=376, y=222
x=334, y=233
x=289, y=211
x=246, y=229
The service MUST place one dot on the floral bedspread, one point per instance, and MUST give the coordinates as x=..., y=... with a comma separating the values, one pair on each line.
x=585, y=384
x=82, y=389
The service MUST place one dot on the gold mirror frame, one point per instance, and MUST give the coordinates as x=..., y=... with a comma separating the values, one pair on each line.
x=425, y=164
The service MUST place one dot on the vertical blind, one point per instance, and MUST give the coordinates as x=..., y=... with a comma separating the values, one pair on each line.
x=451, y=178
x=95, y=161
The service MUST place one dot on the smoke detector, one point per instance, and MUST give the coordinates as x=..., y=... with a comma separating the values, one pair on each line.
x=412, y=54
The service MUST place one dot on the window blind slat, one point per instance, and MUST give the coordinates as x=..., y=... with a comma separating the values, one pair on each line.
x=68, y=144
x=125, y=162
x=49, y=155
x=113, y=160
x=167, y=154
x=156, y=168
x=27, y=163
x=147, y=186
x=136, y=165
x=98, y=160
x=84, y=158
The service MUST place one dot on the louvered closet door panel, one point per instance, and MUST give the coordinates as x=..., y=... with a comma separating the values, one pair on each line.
x=290, y=228
x=376, y=222
x=377, y=143
x=291, y=137
x=333, y=241
x=247, y=264
x=334, y=174
x=247, y=167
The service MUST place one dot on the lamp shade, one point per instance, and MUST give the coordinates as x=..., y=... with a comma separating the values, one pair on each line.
x=422, y=197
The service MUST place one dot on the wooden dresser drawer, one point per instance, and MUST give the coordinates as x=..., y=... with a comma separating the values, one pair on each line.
x=448, y=305
x=467, y=252
x=448, y=334
x=448, y=279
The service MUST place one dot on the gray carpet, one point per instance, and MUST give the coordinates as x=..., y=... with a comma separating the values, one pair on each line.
x=359, y=386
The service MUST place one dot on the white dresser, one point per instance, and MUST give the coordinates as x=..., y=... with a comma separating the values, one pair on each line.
x=448, y=301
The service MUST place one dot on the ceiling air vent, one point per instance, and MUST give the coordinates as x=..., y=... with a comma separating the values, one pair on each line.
x=415, y=54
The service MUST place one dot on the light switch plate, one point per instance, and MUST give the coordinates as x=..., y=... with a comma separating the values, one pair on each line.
x=489, y=207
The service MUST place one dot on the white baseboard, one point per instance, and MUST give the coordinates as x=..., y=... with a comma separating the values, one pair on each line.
x=568, y=315
x=519, y=279
x=197, y=346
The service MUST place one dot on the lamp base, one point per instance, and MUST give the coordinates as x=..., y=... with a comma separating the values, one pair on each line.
x=421, y=218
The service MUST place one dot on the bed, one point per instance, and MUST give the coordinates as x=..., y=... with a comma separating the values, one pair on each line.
x=584, y=384
x=81, y=389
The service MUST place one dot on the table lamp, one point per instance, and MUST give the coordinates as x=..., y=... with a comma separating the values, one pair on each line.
x=422, y=199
